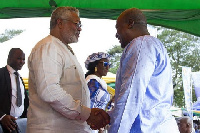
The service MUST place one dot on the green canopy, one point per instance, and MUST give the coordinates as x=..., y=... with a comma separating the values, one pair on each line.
x=183, y=15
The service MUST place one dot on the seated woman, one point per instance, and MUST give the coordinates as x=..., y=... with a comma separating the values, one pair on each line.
x=97, y=65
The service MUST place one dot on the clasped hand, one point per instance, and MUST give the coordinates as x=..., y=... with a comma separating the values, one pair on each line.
x=98, y=119
x=8, y=122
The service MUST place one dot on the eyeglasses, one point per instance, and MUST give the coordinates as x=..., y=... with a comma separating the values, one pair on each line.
x=105, y=64
x=78, y=24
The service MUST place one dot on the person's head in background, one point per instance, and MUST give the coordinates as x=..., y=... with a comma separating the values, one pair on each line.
x=65, y=24
x=16, y=59
x=185, y=124
x=97, y=64
x=130, y=24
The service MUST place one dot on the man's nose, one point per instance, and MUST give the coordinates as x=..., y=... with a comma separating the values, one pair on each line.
x=79, y=28
x=116, y=35
x=22, y=61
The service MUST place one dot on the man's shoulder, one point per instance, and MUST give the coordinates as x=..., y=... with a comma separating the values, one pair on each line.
x=152, y=42
x=44, y=41
x=49, y=41
x=3, y=72
x=3, y=69
x=43, y=44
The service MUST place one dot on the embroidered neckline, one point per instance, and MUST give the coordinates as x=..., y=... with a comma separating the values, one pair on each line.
x=70, y=49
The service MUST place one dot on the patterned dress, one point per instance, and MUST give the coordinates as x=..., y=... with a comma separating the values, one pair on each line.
x=99, y=95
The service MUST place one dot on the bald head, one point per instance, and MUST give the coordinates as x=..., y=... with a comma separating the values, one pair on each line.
x=133, y=14
x=16, y=58
x=12, y=53
x=130, y=24
x=185, y=124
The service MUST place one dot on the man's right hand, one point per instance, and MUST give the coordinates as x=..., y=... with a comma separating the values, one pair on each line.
x=7, y=122
x=98, y=118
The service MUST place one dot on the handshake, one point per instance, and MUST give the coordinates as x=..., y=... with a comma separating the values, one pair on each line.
x=98, y=119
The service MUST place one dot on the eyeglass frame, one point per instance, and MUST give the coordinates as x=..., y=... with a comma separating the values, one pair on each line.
x=105, y=64
x=78, y=24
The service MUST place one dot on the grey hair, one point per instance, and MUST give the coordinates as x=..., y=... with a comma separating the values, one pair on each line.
x=61, y=13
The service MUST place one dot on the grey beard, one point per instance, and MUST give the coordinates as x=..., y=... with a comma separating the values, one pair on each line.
x=73, y=39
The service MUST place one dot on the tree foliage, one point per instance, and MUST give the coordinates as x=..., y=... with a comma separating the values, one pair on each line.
x=183, y=50
x=9, y=34
x=115, y=53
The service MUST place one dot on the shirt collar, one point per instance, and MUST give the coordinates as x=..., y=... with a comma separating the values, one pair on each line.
x=10, y=69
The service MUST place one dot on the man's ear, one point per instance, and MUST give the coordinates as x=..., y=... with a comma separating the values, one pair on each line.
x=188, y=125
x=59, y=23
x=130, y=23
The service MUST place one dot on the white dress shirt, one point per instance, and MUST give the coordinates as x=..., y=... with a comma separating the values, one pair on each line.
x=58, y=93
x=15, y=110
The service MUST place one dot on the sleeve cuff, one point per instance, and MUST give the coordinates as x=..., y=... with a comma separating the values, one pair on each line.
x=84, y=114
x=2, y=117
